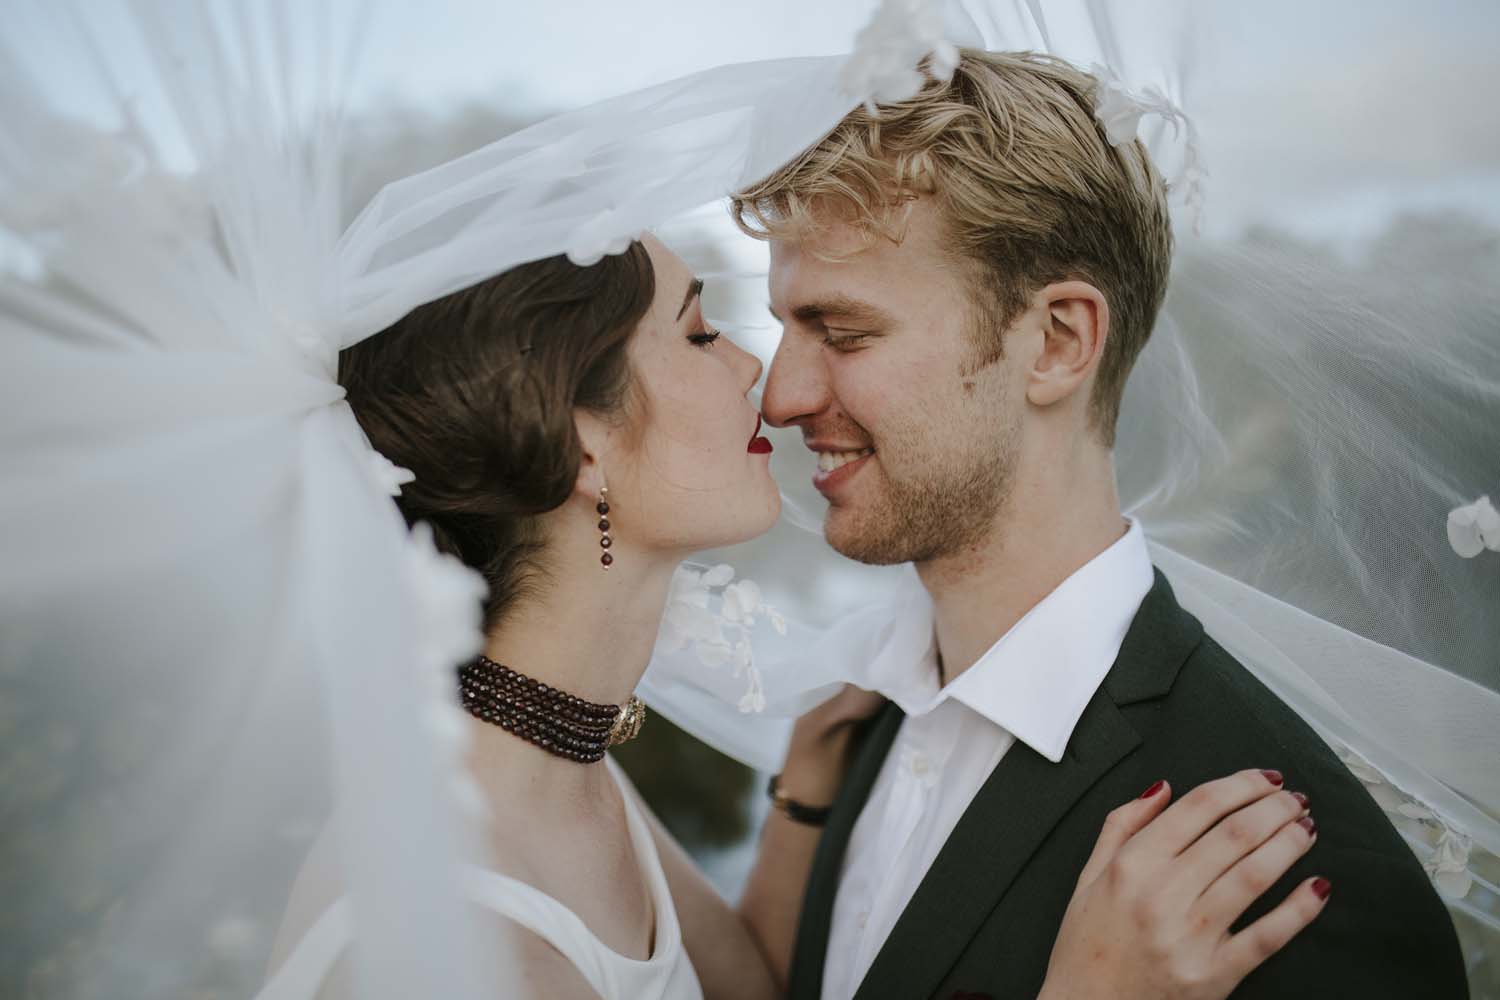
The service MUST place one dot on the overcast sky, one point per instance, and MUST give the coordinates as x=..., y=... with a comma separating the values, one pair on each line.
x=1327, y=115
x=1320, y=117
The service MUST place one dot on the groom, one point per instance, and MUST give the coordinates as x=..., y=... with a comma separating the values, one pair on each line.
x=964, y=292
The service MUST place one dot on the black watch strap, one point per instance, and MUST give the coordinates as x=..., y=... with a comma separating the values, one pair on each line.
x=794, y=810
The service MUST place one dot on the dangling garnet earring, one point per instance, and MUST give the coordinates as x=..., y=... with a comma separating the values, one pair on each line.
x=605, y=560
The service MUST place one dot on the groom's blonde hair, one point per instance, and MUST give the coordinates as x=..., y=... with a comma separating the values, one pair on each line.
x=1028, y=187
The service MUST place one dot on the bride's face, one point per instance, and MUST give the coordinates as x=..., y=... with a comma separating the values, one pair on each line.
x=688, y=472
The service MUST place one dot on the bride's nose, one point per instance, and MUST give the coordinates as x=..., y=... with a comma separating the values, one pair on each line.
x=747, y=365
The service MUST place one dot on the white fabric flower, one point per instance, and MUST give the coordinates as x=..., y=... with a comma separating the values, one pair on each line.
x=888, y=52
x=598, y=237
x=714, y=653
x=754, y=699
x=1413, y=810
x=687, y=623
x=1474, y=527
x=687, y=587
x=777, y=621
x=1449, y=865
x=1120, y=110
x=687, y=620
x=741, y=601
x=389, y=476
x=718, y=638
x=719, y=576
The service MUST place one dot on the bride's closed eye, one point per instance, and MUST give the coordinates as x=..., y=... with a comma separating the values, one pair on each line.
x=703, y=338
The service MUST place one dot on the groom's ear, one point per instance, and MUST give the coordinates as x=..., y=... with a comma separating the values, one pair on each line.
x=1075, y=327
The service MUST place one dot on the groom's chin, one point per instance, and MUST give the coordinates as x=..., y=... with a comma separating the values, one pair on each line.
x=852, y=535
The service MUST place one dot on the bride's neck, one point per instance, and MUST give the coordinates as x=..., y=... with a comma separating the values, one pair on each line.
x=586, y=631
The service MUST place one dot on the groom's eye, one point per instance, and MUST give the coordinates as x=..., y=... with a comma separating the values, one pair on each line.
x=844, y=341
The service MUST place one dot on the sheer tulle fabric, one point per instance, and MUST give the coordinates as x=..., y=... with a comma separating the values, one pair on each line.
x=216, y=635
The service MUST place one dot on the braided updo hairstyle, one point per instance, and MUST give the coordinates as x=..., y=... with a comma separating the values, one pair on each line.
x=475, y=394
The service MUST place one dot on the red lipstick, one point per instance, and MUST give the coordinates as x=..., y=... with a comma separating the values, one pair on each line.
x=759, y=445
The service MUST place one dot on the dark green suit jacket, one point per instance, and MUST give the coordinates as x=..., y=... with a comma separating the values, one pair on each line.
x=1175, y=705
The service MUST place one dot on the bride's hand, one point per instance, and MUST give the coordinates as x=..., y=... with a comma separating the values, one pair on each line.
x=818, y=753
x=1153, y=907
x=839, y=714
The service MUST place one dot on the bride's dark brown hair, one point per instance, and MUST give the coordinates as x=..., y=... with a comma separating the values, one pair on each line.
x=475, y=394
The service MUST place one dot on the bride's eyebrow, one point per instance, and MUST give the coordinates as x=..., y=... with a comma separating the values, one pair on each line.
x=694, y=290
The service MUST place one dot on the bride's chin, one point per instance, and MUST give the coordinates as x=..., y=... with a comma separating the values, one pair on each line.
x=750, y=526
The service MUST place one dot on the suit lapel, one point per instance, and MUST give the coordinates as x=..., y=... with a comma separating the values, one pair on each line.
x=1018, y=806
x=1159, y=641
x=815, y=923
x=1012, y=814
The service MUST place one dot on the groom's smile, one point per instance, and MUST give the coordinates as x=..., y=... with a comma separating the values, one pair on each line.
x=837, y=466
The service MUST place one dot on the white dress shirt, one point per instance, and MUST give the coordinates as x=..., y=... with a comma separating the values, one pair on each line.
x=1032, y=685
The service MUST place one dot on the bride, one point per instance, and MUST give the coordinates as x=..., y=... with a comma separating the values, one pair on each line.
x=574, y=434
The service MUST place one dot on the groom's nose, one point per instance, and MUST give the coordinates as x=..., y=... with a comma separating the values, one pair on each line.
x=797, y=386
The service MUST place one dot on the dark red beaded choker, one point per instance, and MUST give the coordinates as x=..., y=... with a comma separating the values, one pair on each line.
x=554, y=720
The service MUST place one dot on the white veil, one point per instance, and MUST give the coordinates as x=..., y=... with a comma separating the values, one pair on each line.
x=216, y=634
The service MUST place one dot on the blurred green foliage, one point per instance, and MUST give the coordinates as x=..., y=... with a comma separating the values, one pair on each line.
x=702, y=796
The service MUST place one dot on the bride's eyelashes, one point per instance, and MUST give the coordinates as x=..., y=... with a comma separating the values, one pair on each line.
x=703, y=338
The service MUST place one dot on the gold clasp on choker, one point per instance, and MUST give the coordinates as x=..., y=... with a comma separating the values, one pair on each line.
x=628, y=725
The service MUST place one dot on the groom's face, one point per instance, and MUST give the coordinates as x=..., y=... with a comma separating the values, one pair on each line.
x=878, y=365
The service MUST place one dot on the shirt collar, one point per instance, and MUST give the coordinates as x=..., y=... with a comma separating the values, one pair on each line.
x=1036, y=680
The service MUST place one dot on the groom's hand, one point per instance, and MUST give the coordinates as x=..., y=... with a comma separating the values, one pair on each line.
x=1153, y=908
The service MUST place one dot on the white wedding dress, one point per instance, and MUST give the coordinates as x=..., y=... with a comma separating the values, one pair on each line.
x=666, y=975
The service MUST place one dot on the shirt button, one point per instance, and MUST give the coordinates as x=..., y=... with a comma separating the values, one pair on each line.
x=861, y=920
x=919, y=764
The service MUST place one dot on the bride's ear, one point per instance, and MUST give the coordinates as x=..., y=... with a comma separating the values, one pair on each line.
x=593, y=436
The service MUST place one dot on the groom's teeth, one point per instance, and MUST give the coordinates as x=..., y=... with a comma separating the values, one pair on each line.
x=830, y=460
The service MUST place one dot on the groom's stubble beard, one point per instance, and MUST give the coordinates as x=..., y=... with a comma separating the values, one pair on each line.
x=930, y=502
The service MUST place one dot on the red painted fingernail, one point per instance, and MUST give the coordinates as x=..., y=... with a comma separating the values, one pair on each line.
x=1306, y=822
x=1153, y=789
x=1321, y=887
x=1274, y=777
x=1302, y=800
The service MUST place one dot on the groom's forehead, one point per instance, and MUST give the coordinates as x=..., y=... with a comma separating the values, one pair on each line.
x=803, y=286
x=870, y=285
